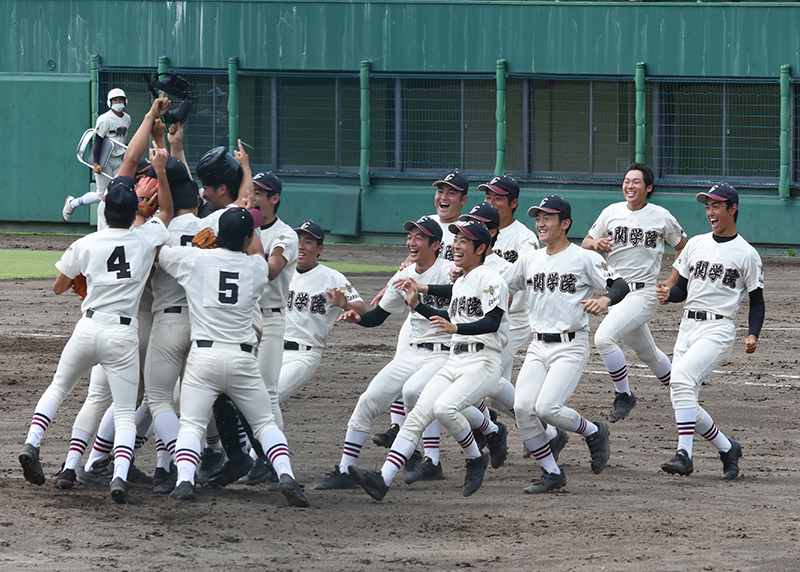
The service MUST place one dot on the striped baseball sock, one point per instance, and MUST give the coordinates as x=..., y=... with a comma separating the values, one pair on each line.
x=104, y=442
x=431, y=439
x=167, y=426
x=277, y=450
x=77, y=446
x=187, y=455
x=44, y=412
x=124, y=443
x=401, y=450
x=708, y=430
x=663, y=371
x=164, y=454
x=478, y=421
x=467, y=442
x=212, y=436
x=539, y=447
x=581, y=425
x=685, y=419
x=618, y=370
x=398, y=412
x=353, y=441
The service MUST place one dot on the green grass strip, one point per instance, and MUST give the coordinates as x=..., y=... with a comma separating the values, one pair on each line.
x=41, y=264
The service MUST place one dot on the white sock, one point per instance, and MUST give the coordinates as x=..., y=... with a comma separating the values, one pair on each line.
x=124, y=442
x=466, y=439
x=431, y=440
x=77, y=445
x=397, y=412
x=539, y=447
x=550, y=433
x=401, y=450
x=582, y=426
x=618, y=370
x=663, y=370
x=273, y=441
x=708, y=430
x=167, y=426
x=685, y=419
x=187, y=455
x=353, y=441
x=42, y=416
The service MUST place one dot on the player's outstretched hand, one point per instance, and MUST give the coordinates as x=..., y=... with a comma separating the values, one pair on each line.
x=160, y=106
x=662, y=292
x=750, y=344
x=350, y=317
x=443, y=325
x=241, y=155
x=378, y=297
x=411, y=289
x=337, y=298
x=175, y=134
x=596, y=306
x=158, y=157
x=601, y=245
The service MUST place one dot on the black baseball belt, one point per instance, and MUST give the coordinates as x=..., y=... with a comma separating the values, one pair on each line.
x=702, y=315
x=431, y=347
x=294, y=346
x=634, y=286
x=208, y=343
x=464, y=348
x=122, y=319
x=554, y=338
x=173, y=310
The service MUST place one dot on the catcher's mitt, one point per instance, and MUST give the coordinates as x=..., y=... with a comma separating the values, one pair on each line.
x=205, y=239
x=147, y=191
x=79, y=286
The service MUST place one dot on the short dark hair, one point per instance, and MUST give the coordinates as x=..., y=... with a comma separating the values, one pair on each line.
x=561, y=217
x=728, y=204
x=647, y=174
x=278, y=204
x=117, y=220
x=185, y=195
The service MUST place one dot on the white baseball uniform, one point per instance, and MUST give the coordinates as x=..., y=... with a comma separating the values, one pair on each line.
x=310, y=317
x=115, y=129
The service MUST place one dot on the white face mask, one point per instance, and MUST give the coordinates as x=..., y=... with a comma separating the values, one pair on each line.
x=118, y=107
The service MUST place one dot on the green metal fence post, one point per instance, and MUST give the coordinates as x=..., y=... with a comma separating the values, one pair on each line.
x=233, y=104
x=783, y=185
x=639, y=114
x=500, y=166
x=163, y=64
x=365, y=136
x=95, y=86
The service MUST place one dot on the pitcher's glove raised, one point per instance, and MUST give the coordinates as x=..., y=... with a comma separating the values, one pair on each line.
x=79, y=286
x=147, y=191
x=205, y=239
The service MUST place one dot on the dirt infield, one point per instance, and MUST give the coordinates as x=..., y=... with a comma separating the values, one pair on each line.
x=631, y=517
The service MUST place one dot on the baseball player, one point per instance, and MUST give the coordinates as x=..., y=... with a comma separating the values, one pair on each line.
x=223, y=286
x=448, y=201
x=116, y=263
x=423, y=355
x=631, y=236
x=477, y=321
x=112, y=125
x=712, y=275
x=560, y=281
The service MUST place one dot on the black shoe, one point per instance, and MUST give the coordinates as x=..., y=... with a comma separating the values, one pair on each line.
x=261, y=472
x=386, y=439
x=480, y=439
x=336, y=480
x=166, y=480
x=599, y=447
x=371, y=482
x=210, y=462
x=138, y=477
x=548, y=482
x=498, y=446
x=475, y=471
x=493, y=415
x=65, y=479
x=119, y=491
x=412, y=470
x=31, y=468
x=292, y=491
x=623, y=403
x=97, y=477
x=558, y=443
x=183, y=491
x=730, y=461
x=231, y=471
x=431, y=472
x=680, y=464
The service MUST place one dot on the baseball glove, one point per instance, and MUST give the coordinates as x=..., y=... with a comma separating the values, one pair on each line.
x=79, y=286
x=147, y=191
x=205, y=239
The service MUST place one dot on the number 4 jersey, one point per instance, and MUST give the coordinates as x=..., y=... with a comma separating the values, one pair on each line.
x=222, y=288
x=116, y=263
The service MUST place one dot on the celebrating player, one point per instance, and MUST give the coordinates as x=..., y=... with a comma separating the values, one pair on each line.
x=631, y=236
x=712, y=275
x=560, y=281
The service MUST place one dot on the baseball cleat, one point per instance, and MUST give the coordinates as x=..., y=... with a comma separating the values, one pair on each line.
x=65, y=479
x=336, y=480
x=498, y=446
x=138, y=477
x=183, y=491
x=623, y=403
x=261, y=472
x=557, y=443
x=164, y=481
x=31, y=468
x=386, y=439
x=431, y=472
x=119, y=491
x=97, y=477
x=292, y=491
x=680, y=464
x=68, y=209
x=210, y=462
x=372, y=482
x=599, y=447
x=730, y=461
x=548, y=482
x=231, y=471
x=412, y=470
x=480, y=439
x=476, y=468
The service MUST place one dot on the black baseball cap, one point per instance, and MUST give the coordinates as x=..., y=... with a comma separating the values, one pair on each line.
x=269, y=181
x=217, y=166
x=121, y=198
x=454, y=179
x=473, y=230
x=142, y=167
x=176, y=171
x=721, y=192
x=427, y=225
x=505, y=185
x=311, y=228
x=484, y=212
x=552, y=204
x=235, y=225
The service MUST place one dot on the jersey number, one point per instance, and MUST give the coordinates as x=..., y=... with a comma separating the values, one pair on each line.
x=117, y=263
x=228, y=290
x=186, y=240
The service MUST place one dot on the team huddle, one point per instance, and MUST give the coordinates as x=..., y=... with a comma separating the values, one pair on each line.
x=198, y=322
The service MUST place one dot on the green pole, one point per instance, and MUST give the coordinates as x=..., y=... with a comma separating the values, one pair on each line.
x=365, y=137
x=500, y=166
x=640, y=105
x=233, y=104
x=163, y=64
x=95, y=86
x=783, y=185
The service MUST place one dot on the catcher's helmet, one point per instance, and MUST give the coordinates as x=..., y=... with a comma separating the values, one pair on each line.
x=116, y=92
x=217, y=166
